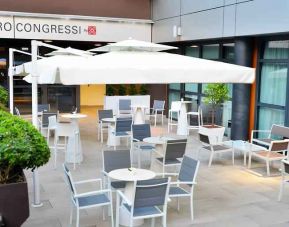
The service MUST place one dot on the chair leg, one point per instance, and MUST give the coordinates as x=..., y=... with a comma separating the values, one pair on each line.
x=111, y=214
x=162, y=118
x=178, y=204
x=48, y=135
x=281, y=189
x=138, y=159
x=233, y=157
x=77, y=217
x=268, y=167
x=249, y=161
x=71, y=213
x=192, y=206
x=155, y=119
x=211, y=158
x=98, y=132
x=153, y=222
x=164, y=220
x=117, y=211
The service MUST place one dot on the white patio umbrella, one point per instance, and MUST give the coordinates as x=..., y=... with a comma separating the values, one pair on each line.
x=136, y=67
x=70, y=51
x=134, y=45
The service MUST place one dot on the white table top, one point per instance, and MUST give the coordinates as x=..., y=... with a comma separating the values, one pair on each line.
x=157, y=139
x=133, y=175
x=74, y=116
x=244, y=145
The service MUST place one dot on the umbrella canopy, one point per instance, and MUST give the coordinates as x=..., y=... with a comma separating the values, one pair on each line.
x=136, y=67
x=133, y=45
x=70, y=51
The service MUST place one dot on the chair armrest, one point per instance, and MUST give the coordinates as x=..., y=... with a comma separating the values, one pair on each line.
x=119, y=193
x=135, y=140
x=92, y=193
x=183, y=182
x=88, y=181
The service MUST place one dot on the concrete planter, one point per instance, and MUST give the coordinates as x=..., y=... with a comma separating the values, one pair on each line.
x=215, y=132
x=14, y=203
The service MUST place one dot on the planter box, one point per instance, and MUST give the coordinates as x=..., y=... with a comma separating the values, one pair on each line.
x=14, y=203
x=215, y=133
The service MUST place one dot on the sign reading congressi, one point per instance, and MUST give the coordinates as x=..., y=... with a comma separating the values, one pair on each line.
x=80, y=30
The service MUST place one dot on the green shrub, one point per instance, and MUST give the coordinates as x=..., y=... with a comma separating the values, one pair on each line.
x=3, y=98
x=132, y=89
x=110, y=90
x=121, y=90
x=21, y=147
x=143, y=90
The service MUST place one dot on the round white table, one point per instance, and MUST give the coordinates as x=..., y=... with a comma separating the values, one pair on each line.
x=112, y=140
x=130, y=177
x=71, y=140
x=139, y=114
x=183, y=120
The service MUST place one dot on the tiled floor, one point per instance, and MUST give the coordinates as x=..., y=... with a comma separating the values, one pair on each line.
x=225, y=195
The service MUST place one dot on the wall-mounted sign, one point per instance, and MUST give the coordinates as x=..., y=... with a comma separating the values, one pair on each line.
x=81, y=30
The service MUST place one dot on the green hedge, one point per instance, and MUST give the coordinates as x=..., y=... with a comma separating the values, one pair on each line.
x=21, y=147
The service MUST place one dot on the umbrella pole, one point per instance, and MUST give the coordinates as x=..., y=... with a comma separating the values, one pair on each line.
x=10, y=74
x=36, y=185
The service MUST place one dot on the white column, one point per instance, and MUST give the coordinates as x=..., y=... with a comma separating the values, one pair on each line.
x=36, y=185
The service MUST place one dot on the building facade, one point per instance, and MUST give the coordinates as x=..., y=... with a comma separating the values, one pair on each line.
x=253, y=33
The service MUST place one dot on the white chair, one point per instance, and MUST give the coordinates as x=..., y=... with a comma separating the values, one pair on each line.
x=150, y=201
x=102, y=126
x=124, y=107
x=186, y=178
x=199, y=116
x=52, y=125
x=45, y=122
x=158, y=108
x=214, y=148
x=17, y=111
x=122, y=128
x=65, y=130
x=272, y=154
x=284, y=179
x=87, y=200
x=175, y=108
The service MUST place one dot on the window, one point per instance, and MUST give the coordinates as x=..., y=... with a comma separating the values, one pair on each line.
x=272, y=84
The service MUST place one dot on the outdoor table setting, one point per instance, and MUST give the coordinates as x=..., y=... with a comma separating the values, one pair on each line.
x=111, y=139
x=130, y=176
x=244, y=146
x=74, y=117
x=139, y=113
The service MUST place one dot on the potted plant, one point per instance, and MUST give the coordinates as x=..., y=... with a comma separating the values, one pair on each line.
x=121, y=90
x=143, y=90
x=216, y=95
x=110, y=90
x=21, y=147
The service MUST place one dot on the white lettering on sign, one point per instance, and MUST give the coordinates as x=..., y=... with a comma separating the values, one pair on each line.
x=79, y=30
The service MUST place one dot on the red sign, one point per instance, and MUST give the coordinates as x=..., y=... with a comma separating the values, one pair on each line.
x=91, y=30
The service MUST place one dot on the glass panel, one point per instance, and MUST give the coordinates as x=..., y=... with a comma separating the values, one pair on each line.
x=211, y=51
x=62, y=98
x=192, y=51
x=175, y=86
x=174, y=96
x=267, y=117
x=276, y=50
x=204, y=86
x=191, y=87
x=273, y=84
x=229, y=52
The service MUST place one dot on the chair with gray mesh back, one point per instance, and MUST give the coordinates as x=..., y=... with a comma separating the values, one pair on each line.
x=102, y=125
x=43, y=107
x=112, y=160
x=277, y=132
x=277, y=151
x=284, y=179
x=214, y=148
x=45, y=121
x=150, y=201
x=158, y=108
x=122, y=128
x=139, y=132
x=87, y=200
x=174, y=151
x=124, y=106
